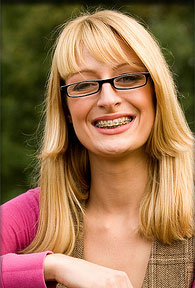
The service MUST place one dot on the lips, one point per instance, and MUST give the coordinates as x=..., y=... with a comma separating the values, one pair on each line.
x=117, y=121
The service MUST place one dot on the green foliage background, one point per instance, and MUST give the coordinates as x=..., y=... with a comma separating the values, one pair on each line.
x=28, y=33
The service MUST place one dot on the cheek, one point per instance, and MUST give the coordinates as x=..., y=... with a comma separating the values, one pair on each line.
x=79, y=109
x=77, y=114
x=76, y=108
x=148, y=106
x=147, y=101
x=144, y=103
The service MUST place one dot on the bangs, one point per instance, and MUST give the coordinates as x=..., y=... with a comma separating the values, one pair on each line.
x=100, y=39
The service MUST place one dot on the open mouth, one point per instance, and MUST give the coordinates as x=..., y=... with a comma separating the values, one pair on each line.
x=110, y=124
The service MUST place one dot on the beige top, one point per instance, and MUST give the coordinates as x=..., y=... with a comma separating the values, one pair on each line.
x=169, y=266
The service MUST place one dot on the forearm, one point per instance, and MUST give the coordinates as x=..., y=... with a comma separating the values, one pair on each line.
x=78, y=273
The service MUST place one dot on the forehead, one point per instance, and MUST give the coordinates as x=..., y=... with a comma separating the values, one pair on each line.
x=127, y=56
x=91, y=65
x=113, y=51
x=94, y=64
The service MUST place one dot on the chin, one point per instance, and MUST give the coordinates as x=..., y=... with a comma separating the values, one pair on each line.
x=113, y=151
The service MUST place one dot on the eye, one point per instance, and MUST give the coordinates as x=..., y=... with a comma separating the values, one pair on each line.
x=84, y=86
x=129, y=80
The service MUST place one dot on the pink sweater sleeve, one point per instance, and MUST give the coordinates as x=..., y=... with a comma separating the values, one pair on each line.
x=19, y=218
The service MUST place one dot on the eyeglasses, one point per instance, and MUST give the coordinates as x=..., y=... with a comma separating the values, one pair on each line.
x=122, y=82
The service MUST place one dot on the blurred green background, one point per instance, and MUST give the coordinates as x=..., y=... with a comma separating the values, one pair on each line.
x=28, y=33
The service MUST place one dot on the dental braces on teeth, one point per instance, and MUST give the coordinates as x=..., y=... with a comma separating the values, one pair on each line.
x=113, y=123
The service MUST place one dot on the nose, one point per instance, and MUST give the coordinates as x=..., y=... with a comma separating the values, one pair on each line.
x=108, y=96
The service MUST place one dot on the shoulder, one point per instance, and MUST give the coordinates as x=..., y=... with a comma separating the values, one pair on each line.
x=23, y=208
x=29, y=198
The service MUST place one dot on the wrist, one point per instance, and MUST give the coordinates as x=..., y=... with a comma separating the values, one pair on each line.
x=50, y=267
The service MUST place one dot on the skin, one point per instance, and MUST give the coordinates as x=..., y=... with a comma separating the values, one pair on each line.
x=115, y=254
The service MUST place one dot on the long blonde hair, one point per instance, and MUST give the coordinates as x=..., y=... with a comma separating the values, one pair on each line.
x=166, y=211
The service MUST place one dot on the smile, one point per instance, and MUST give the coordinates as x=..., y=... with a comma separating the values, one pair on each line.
x=110, y=124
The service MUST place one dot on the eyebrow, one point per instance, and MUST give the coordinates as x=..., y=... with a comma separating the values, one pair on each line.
x=120, y=65
x=113, y=68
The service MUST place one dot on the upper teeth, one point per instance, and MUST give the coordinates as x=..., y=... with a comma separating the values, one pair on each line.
x=114, y=122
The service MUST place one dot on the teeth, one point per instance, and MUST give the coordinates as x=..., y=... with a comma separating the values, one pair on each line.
x=113, y=123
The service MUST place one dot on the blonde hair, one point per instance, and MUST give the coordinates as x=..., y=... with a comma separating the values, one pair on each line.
x=166, y=211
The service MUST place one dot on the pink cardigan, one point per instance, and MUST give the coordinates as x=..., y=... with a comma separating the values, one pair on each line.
x=18, y=227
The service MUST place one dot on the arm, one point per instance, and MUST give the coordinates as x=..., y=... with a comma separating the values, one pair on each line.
x=18, y=227
x=78, y=273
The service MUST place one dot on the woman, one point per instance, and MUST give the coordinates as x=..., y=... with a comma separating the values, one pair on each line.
x=116, y=183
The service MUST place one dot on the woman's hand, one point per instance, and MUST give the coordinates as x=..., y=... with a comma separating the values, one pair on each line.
x=77, y=273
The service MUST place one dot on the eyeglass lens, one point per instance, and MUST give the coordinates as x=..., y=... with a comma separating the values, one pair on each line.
x=83, y=88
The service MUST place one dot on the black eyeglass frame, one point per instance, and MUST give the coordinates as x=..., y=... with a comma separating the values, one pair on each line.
x=64, y=88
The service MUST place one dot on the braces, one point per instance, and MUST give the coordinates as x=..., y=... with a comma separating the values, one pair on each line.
x=114, y=123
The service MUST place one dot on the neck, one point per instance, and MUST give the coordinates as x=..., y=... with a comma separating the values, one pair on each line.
x=118, y=185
